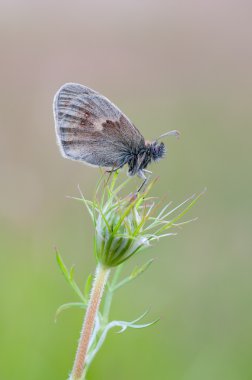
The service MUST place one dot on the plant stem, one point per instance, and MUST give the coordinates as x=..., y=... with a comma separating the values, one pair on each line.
x=99, y=282
x=109, y=295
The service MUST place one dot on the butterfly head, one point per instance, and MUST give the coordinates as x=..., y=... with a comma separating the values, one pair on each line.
x=156, y=150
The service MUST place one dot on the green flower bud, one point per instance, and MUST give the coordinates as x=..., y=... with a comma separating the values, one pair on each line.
x=119, y=232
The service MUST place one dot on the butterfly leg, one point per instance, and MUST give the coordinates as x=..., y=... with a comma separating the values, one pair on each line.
x=114, y=170
x=142, y=175
x=147, y=171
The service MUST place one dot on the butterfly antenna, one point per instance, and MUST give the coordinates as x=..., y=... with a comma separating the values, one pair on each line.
x=170, y=133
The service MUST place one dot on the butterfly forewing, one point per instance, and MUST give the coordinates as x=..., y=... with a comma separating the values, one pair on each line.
x=91, y=129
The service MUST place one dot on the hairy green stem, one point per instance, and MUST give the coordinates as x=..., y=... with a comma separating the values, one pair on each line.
x=109, y=295
x=99, y=283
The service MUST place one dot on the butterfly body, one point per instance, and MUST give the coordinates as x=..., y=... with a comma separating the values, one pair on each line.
x=91, y=129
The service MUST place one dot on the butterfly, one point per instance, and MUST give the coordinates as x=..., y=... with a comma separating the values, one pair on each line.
x=91, y=129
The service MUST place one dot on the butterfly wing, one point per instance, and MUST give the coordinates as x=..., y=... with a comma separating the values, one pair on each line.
x=91, y=129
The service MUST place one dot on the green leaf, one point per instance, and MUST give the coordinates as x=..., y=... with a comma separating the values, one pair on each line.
x=88, y=285
x=120, y=187
x=123, y=325
x=67, y=306
x=169, y=224
x=161, y=218
x=140, y=270
x=71, y=273
x=137, y=271
x=69, y=277
x=89, y=204
x=62, y=267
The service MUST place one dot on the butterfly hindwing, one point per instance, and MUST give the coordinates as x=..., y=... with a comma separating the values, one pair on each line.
x=91, y=129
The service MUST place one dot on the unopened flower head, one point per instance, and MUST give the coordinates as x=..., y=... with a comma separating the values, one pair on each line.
x=126, y=225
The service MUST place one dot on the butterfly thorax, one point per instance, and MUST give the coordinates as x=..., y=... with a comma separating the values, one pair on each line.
x=140, y=159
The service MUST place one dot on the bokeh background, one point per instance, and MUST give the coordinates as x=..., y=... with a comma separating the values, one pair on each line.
x=168, y=65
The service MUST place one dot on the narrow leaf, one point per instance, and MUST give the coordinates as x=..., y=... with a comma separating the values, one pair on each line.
x=68, y=277
x=137, y=271
x=88, y=285
x=124, y=325
x=186, y=209
x=67, y=306
x=140, y=270
x=62, y=267
x=71, y=273
x=88, y=204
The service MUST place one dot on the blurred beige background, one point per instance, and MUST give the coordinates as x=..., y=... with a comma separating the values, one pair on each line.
x=168, y=65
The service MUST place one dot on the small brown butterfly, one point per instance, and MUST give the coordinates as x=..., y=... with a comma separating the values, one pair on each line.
x=93, y=130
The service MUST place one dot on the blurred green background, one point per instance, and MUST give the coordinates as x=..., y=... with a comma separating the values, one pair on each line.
x=168, y=65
